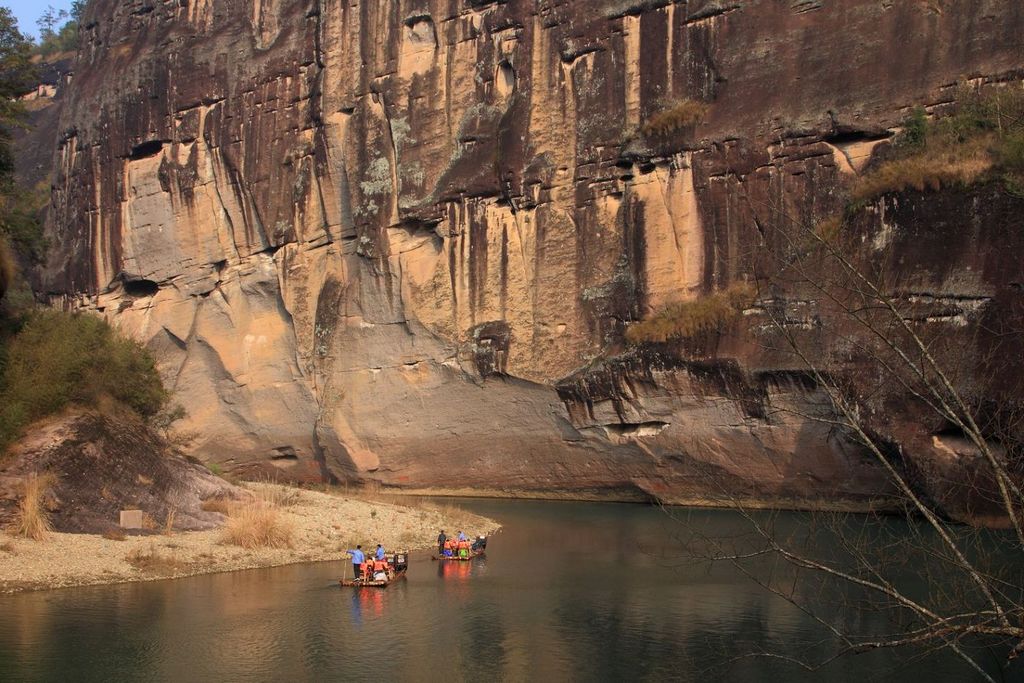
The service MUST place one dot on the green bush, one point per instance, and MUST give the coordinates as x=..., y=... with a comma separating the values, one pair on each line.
x=20, y=211
x=59, y=359
x=59, y=42
x=915, y=128
x=1011, y=151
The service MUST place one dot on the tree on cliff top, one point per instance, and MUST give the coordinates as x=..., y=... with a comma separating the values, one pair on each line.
x=54, y=40
x=17, y=72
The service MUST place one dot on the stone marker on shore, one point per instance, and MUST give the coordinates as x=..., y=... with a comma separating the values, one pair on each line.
x=131, y=519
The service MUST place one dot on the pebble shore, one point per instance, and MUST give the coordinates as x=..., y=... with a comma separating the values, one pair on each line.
x=325, y=524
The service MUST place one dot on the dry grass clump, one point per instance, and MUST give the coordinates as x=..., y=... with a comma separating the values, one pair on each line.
x=258, y=525
x=278, y=496
x=152, y=560
x=114, y=535
x=686, y=319
x=169, y=522
x=932, y=169
x=31, y=520
x=681, y=115
x=981, y=133
x=7, y=547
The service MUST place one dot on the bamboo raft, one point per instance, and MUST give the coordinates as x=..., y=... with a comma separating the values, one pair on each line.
x=361, y=583
x=455, y=558
x=399, y=563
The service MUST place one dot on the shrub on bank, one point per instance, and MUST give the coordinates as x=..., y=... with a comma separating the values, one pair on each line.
x=58, y=359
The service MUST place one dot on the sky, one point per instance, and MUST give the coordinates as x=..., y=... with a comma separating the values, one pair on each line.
x=27, y=11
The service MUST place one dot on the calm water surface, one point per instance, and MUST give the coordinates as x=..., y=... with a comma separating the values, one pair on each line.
x=568, y=591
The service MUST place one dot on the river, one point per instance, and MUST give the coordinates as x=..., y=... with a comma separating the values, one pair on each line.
x=567, y=591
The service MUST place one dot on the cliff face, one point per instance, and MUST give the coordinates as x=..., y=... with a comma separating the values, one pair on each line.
x=399, y=240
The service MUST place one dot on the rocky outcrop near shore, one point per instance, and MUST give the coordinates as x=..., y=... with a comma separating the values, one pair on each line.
x=104, y=462
x=400, y=240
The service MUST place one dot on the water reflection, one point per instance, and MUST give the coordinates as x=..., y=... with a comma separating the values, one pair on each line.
x=566, y=592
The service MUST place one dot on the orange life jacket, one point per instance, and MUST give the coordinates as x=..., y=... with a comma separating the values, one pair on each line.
x=449, y=544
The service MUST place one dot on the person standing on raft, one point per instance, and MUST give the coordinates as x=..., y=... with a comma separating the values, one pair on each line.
x=358, y=559
x=380, y=554
x=441, y=538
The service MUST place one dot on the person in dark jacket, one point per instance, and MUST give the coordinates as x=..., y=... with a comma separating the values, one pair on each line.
x=441, y=538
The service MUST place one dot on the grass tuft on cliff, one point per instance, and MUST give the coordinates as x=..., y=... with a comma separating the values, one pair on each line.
x=679, y=116
x=59, y=359
x=982, y=134
x=687, y=319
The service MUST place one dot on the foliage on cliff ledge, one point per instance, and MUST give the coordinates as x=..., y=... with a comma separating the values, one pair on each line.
x=679, y=116
x=981, y=135
x=58, y=359
x=686, y=319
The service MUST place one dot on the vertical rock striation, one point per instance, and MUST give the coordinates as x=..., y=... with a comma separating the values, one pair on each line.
x=399, y=239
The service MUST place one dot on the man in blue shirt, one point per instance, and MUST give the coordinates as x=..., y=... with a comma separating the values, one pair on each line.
x=463, y=537
x=380, y=552
x=358, y=558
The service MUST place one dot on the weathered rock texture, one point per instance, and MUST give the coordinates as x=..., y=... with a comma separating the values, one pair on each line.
x=399, y=239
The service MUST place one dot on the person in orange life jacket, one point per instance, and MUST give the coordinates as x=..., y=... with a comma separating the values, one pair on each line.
x=380, y=566
x=449, y=548
x=358, y=559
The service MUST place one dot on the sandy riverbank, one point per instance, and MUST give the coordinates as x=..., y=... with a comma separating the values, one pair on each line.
x=325, y=524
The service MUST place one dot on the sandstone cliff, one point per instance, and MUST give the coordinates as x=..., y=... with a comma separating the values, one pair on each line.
x=399, y=240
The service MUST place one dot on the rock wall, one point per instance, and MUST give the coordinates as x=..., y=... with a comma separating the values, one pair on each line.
x=399, y=239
